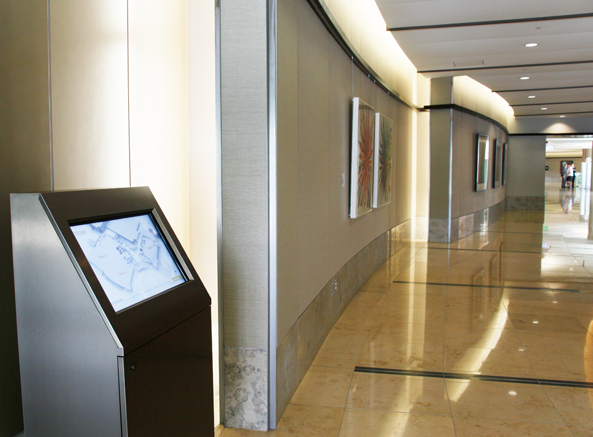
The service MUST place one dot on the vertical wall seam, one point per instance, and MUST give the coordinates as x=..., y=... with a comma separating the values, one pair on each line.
x=50, y=101
x=128, y=79
x=218, y=97
x=272, y=214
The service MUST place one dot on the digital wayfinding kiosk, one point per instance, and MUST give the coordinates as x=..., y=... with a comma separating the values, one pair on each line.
x=113, y=321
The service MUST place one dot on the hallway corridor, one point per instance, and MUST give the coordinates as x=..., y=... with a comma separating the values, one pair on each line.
x=488, y=336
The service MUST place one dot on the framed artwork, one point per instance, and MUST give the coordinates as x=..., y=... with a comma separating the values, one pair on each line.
x=482, y=161
x=504, y=163
x=497, y=177
x=383, y=156
x=362, y=158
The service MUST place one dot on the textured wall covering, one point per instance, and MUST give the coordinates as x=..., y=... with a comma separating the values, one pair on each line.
x=316, y=83
x=24, y=166
x=245, y=269
x=454, y=202
x=317, y=241
x=245, y=173
x=299, y=348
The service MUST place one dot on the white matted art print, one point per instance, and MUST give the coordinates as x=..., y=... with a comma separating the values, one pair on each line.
x=362, y=167
x=383, y=154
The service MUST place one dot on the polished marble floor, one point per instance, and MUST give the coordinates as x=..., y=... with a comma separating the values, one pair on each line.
x=489, y=336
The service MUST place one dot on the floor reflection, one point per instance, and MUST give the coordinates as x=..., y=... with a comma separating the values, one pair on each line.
x=489, y=335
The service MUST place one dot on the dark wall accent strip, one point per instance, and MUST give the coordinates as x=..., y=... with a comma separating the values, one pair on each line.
x=467, y=111
x=448, y=284
x=547, y=114
x=502, y=67
x=523, y=90
x=472, y=377
x=562, y=134
x=490, y=23
x=554, y=103
x=337, y=33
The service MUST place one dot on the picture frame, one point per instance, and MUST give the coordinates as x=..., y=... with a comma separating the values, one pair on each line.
x=482, y=162
x=497, y=164
x=362, y=158
x=504, y=163
x=383, y=160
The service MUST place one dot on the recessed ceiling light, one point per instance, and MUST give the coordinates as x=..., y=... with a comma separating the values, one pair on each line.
x=544, y=109
x=531, y=97
x=513, y=393
x=525, y=78
x=562, y=116
x=531, y=44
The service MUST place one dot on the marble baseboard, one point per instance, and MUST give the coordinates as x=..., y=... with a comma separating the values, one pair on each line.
x=537, y=203
x=298, y=349
x=421, y=229
x=246, y=388
x=439, y=230
x=445, y=231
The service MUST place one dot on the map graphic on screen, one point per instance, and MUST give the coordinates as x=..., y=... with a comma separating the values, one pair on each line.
x=129, y=258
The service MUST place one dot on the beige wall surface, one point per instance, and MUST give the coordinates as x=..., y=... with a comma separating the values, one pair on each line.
x=24, y=166
x=89, y=89
x=82, y=64
x=465, y=199
x=158, y=106
x=316, y=84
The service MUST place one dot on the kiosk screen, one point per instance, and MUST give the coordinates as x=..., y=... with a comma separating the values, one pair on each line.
x=130, y=258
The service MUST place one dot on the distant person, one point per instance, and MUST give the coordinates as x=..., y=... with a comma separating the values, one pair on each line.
x=569, y=176
x=563, y=169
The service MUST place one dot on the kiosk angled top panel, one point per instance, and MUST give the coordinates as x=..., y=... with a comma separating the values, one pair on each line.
x=128, y=255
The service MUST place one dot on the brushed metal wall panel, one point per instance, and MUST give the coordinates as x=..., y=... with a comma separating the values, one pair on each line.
x=245, y=172
x=68, y=357
x=89, y=77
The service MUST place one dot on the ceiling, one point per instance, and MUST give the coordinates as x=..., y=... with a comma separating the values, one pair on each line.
x=485, y=40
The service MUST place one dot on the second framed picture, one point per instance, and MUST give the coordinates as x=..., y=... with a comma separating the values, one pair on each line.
x=383, y=156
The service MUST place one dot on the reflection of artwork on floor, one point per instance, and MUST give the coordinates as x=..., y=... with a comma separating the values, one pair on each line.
x=361, y=178
x=495, y=270
x=383, y=152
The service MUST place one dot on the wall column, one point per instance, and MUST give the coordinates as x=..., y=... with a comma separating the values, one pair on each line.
x=441, y=160
x=245, y=212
